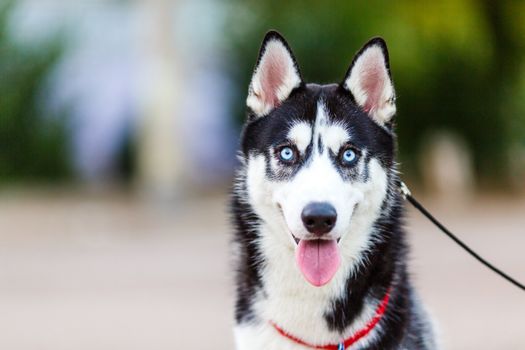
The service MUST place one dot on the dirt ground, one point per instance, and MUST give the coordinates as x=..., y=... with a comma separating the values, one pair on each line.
x=84, y=271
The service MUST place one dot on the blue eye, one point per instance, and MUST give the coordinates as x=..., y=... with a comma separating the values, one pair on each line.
x=349, y=156
x=287, y=154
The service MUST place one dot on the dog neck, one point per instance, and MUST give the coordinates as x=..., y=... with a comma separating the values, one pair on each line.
x=331, y=312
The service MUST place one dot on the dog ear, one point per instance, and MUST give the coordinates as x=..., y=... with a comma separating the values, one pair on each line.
x=369, y=81
x=275, y=75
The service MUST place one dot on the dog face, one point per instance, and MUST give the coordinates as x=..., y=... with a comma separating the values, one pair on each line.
x=318, y=159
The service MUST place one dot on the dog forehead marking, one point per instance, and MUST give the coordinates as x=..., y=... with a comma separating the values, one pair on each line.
x=301, y=135
x=331, y=135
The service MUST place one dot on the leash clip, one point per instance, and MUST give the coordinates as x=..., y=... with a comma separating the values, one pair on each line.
x=403, y=189
x=341, y=346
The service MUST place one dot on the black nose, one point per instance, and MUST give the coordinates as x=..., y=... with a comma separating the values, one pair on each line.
x=319, y=217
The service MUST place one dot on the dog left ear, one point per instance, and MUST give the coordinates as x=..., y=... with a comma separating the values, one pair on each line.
x=368, y=80
x=275, y=75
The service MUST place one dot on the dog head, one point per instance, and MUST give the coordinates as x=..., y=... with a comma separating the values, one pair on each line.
x=318, y=158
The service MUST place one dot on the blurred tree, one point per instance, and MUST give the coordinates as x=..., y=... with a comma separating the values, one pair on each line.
x=455, y=64
x=32, y=142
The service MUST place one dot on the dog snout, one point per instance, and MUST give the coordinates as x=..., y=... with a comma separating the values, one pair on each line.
x=319, y=217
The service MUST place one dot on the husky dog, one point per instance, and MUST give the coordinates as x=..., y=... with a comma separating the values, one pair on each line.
x=320, y=252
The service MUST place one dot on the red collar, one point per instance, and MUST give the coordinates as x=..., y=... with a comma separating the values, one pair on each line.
x=380, y=311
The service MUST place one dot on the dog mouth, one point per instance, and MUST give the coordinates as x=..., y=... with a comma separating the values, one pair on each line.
x=297, y=240
x=318, y=259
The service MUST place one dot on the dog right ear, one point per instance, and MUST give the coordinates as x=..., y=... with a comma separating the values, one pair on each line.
x=368, y=80
x=275, y=75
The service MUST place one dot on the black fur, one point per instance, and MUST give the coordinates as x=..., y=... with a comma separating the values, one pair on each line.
x=248, y=274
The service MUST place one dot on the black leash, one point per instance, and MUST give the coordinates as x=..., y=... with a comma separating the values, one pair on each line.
x=405, y=192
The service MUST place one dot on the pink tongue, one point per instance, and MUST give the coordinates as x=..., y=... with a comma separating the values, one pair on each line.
x=318, y=260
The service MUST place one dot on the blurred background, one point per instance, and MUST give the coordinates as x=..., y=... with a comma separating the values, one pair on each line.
x=119, y=122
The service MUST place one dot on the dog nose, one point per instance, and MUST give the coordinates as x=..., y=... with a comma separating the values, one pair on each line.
x=319, y=217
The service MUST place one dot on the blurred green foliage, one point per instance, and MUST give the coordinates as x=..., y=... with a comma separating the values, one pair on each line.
x=457, y=64
x=32, y=142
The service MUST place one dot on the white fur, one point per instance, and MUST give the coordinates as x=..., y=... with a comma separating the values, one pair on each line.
x=289, y=300
x=301, y=135
x=370, y=68
x=335, y=136
x=274, y=55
